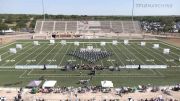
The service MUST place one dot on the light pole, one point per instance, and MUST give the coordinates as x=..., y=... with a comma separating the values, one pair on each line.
x=133, y=10
x=43, y=9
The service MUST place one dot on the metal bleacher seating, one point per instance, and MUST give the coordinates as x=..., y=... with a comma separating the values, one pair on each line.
x=87, y=27
x=60, y=26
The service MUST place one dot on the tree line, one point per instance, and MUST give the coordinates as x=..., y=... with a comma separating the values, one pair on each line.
x=18, y=21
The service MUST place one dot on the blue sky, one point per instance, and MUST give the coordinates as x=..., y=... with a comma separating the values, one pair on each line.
x=88, y=7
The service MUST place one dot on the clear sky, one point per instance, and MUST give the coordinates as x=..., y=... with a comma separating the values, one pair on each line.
x=89, y=7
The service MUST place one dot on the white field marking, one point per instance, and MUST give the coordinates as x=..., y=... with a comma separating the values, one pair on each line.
x=15, y=56
x=116, y=54
x=124, y=54
x=162, y=55
x=134, y=55
x=151, y=55
x=101, y=60
x=47, y=54
x=109, y=56
x=140, y=53
x=91, y=42
x=15, y=70
x=7, y=52
x=23, y=53
x=155, y=56
x=21, y=76
x=75, y=50
x=81, y=60
x=7, y=45
x=165, y=43
x=172, y=47
x=64, y=55
x=141, y=76
x=171, y=55
x=6, y=67
x=40, y=53
x=29, y=73
x=160, y=73
x=20, y=54
x=30, y=54
x=56, y=54
x=145, y=57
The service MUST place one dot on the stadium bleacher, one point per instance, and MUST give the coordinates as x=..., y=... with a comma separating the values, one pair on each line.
x=87, y=27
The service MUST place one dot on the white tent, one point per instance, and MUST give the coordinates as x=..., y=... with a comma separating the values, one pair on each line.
x=49, y=84
x=63, y=42
x=52, y=41
x=166, y=51
x=126, y=42
x=156, y=46
x=103, y=43
x=76, y=43
x=19, y=46
x=13, y=50
x=106, y=84
x=34, y=83
x=114, y=42
x=36, y=43
x=143, y=43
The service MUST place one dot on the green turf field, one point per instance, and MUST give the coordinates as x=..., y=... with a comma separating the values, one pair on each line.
x=132, y=54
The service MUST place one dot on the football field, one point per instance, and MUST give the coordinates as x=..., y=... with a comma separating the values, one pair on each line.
x=56, y=54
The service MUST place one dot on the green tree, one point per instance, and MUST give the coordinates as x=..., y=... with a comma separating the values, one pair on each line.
x=169, y=22
x=3, y=26
x=21, y=24
x=33, y=23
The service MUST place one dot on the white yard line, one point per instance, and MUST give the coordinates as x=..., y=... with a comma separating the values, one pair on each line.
x=154, y=56
x=158, y=53
x=154, y=73
x=124, y=54
x=11, y=54
x=109, y=56
x=117, y=55
x=21, y=76
x=30, y=54
x=142, y=54
x=29, y=73
x=40, y=53
x=64, y=55
x=172, y=53
x=81, y=60
x=47, y=54
x=57, y=53
x=166, y=44
x=101, y=59
x=134, y=55
x=7, y=45
x=15, y=56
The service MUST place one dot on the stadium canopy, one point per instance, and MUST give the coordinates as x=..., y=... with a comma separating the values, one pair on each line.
x=49, y=84
x=34, y=83
x=107, y=84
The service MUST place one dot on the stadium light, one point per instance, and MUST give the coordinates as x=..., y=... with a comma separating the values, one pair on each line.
x=132, y=10
x=43, y=9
